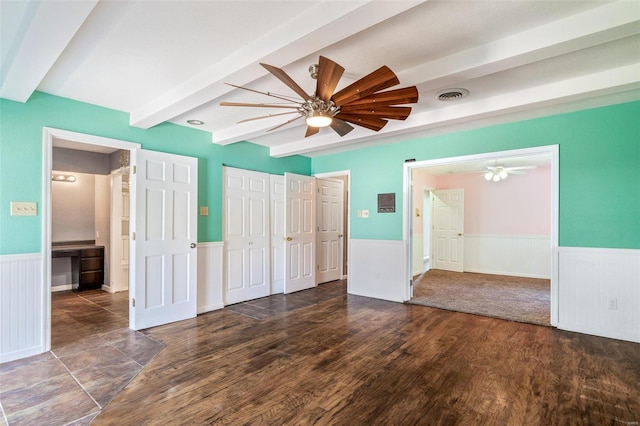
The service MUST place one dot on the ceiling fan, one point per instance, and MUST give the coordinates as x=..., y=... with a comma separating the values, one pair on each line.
x=361, y=103
x=498, y=172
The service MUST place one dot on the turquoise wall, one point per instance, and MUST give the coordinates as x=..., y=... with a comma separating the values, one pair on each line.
x=599, y=172
x=21, y=160
x=599, y=167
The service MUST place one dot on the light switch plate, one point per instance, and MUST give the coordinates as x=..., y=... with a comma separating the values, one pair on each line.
x=204, y=211
x=24, y=208
x=365, y=213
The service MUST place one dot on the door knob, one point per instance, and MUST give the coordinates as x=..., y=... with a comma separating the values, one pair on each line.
x=289, y=239
x=340, y=236
x=193, y=245
x=459, y=235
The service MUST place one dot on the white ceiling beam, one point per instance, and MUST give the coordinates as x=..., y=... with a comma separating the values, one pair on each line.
x=320, y=26
x=606, y=23
x=617, y=80
x=610, y=22
x=50, y=29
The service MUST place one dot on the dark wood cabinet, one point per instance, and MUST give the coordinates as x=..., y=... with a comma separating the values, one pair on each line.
x=87, y=260
x=91, y=268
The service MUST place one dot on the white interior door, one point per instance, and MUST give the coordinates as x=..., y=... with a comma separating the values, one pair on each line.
x=246, y=228
x=300, y=232
x=330, y=206
x=277, y=233
x=448, y=232
x=165, y=226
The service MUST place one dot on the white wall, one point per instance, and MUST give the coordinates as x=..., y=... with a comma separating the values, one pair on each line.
x=80, y=211
x=210, y=279
x=73, y=209
x=514, y=255
x=378, y=269
x=22, y=306
x=103, y=219
x=417, y=254
x=599, y=292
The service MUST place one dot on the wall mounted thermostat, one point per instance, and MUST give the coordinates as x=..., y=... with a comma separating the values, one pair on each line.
x=387, y=203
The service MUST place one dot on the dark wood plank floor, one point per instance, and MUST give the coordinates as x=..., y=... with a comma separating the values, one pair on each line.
x=340, y=359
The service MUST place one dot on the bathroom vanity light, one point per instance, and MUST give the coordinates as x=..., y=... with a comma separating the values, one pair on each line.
x=63, y=178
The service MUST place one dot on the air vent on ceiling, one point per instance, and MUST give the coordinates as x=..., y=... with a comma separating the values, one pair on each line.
x=449, y=95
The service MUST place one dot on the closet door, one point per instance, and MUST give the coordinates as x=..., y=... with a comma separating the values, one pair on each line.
x=300, y=232
x=246, y=235
x=277, y=234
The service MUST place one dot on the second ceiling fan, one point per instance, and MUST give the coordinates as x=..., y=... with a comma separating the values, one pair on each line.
x=361, y=103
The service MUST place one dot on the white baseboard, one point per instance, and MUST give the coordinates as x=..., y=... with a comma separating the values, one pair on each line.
x=209, y=308
x=61, y=288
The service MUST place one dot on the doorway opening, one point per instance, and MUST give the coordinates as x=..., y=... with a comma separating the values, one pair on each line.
x=74, y=141
x=499, y=240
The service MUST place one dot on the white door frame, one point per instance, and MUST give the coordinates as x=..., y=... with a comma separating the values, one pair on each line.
x=551, y=150
x=347, y=205
x=48, y=135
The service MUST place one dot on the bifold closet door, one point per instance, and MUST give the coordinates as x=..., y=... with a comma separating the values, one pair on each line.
x=246, y=229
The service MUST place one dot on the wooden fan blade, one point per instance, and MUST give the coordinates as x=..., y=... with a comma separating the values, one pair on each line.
x=284, y=77
x=267, y=116
x=406, y=95
x=311, y=131
x=341, y=127
x=243, y=104
x=329, y=74
x=380, y=79
x=284, y=124
x=284, y=98
x=390, y=112
x=372, y=123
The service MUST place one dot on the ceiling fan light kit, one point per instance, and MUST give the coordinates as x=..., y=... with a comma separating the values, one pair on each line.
x=363, y=103
x=319, y=119
x=497, y=173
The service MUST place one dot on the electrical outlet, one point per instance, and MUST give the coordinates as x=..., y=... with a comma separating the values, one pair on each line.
x=204, y=211
x=613, y=304
x=365, y=213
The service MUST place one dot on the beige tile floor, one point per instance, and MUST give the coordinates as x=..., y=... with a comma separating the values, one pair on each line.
x=93, y=356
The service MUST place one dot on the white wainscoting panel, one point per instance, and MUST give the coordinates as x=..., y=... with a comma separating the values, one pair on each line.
x=210, y=276
x=377, y=268
x=515, y=255
x=417, y=257
x=599, y=292
x=21, y=306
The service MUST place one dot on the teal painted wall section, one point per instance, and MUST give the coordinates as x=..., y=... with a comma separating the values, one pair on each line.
x=599, y=172
x=21, y=160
